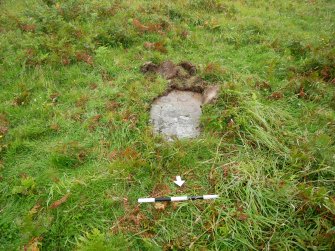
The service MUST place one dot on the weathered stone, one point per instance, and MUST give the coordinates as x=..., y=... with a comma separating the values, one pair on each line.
x=177, y=114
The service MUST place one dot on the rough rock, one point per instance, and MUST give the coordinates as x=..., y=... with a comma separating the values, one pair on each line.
x=177, y=114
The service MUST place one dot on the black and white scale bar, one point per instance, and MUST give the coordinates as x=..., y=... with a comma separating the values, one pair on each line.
x=180, y=198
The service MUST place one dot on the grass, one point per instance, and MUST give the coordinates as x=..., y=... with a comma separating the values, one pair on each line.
x=76, y=146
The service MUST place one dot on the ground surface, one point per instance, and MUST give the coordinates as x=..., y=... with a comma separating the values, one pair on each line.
x=77, y=150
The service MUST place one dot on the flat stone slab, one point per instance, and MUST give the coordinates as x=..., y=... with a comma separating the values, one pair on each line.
x=177, y=114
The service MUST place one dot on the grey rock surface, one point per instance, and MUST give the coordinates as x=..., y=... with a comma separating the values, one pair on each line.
x=177, y=114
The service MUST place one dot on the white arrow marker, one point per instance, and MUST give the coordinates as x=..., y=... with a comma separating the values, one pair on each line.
x=178, y=181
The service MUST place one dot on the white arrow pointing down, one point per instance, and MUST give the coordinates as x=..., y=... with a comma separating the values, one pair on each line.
x=178, y=181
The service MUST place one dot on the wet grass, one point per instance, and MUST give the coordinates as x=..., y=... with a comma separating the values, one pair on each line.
x=76, y=148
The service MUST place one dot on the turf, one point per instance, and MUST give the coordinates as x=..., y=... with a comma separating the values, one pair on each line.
x=77, y=149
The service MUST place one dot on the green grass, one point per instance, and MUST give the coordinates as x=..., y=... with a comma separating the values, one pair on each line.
x=74, y=121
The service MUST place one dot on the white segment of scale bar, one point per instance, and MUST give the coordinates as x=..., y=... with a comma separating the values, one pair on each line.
x=143, y=200
x=208, y=197
x=181, y=198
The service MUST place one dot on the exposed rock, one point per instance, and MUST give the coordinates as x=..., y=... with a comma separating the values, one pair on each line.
x=177, y=114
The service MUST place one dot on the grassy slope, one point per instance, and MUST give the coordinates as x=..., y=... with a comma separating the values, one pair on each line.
x=75, y=106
